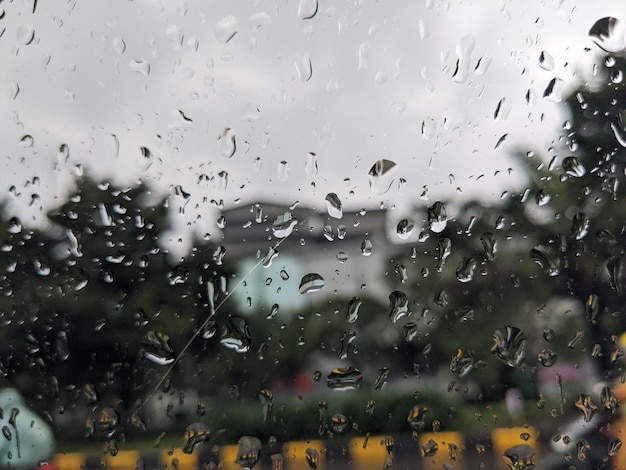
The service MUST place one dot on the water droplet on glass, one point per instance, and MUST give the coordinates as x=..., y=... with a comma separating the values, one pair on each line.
x=381, y=378
x=339, y=423
x=63, y=154
x=465, y=270
x=464, y=49
x=609, y=34
x=444, y=248
x=236, y=335
x=546, y=61
x=60, y=346
x=548, y=258
x=302, y=61
x=226, y=29
x=398, y=305
x=609, y=400
x=267, y=400
x=348, y=337
x=141, y=66
x=283, y=225
x=345, y=378
x=312, y=457
x=366, y=247
x=227, y=142
x=248, y=452
x=353, y=309
x=410, y=331
x=614, y=446
x=322, y=412
x=490, y=245
x=429, y=127
x=502, y=110
x=437, y=217
x=119, y=45
x=416, y=417
x=520, y=457
x=580, y=226
x=158, y=348
x=307, y=9
x=25, y=34
x=429, y=449
x=108, y=421
x=586, y=405
x=271, y=254
x=195, y=434
x=282, y=171
x=310, y=165
x=404, y=229
x=615, y=268
x=573, y=167
x=333, y=205
x=381, y=176
x=27, y=141
x=554, y=90
x=462, y=362
x=509, y=345
x=542, y=198
x=546, y=357
x=342, y=257
x=311, y=282
x=618, y=126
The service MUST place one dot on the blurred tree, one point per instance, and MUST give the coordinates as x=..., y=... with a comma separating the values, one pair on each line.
x=556, y=271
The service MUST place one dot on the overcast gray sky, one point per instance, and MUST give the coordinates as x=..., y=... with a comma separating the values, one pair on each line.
x=354, y=83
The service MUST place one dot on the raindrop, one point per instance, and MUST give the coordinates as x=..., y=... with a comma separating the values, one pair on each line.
x=339, y=423
x=520, y=457
x=547, y=258
x=429, y=127
x=465, y=270
x=222, y=180
x=226, y=28
x=398, y=305
x=609, y=34
x=195, y=434
x=381, y=176
x=608, y=400
x=353, y=309
x=542, y=198
x=333, y=205
x=60, y=346
x=346, y=378
x=310, y=165
x=303, y=65
x=119, y=45
x=307, y=9
x=592, y=306
x=366, y=247
x=342, y=257
x=269, y=257
x=573, y=167
x=586, y=405
x=267, y=399
x=236, y=335
x=107, y=422
x=381, y=378
x=41, y=265
x=614, y=446
x=437, y=217
x=63, y=154
x=25, y=34
x=416, y=417
x=615, y=268
x=410, y=331
x=248, y=452
x=227, y=142
x=546, y=61
x=462, y=362
x=509, y=345
x=502, y=110
x=490, y=245
x=312, y=457
x=322, y=412
x=141, y=66
x=27, y=141
x=404, y=229
x=546, y=357
x=444, y=248
x=619, y=130
x=348, y=337
x=580, y=226
x=554, y=90
x=311, y=282
x=158, y=348
x=282, y=171
x=464, y=49
x=14, y=225
x=429, y=449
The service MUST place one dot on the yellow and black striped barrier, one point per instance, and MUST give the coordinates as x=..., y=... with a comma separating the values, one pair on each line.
x=427, y=451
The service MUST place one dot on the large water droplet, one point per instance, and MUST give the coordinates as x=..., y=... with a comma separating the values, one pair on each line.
x=444, y=248
x=554, y=90
x=615, y=268
x=437, y=217
x=429, y=127
x=465, y=270
x=226, y=28
x=546, y=357
x=366, y=247
x=416, y=417
x=381, y=176
x=236, y=335
x=462, y=362
x=282, y=171
x=227, y=142
x=311, y=282
x=546, y=61
x=404, y=229
x=586, y=405
x=141, y=66
x=398, y=305
x=618, y=126
x=158, y=348
x=580, y=226
x=348, y=338
x=381, y=378
x=609, y=400
x=312, y=457
x=195, y=434
x=464, y=50
x=248, y=452
x=509, y=345
x=353, y=309
x=490, y=245
x=283, y=225
x=307, y=9
x=310, y=165
x=548, y=258
x=346, y=378
x=520, y=457
x=333, y=205
x=303, y=65
x=573, y=167
x=609, y=34
x=25, y=34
